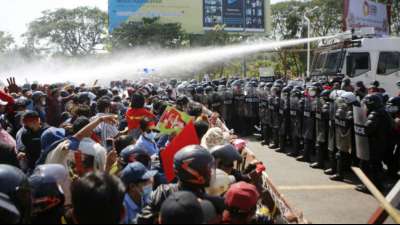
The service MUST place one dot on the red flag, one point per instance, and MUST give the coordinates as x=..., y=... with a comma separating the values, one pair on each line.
x=187, y=137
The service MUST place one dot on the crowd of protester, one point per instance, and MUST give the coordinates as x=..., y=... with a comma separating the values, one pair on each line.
x=92, y=155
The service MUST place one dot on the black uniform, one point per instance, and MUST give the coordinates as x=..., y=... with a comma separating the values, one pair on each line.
x=227, y=111
x=285, y=123
x=296, y=115
x=308, y=128
x=239, y=106
x=251, y=110
x=322, y=130
x=275, y=117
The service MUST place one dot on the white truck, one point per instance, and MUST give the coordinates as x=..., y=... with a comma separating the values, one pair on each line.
x=361, y=57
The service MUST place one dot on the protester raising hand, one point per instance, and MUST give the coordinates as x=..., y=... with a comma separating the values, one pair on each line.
x=12, y=85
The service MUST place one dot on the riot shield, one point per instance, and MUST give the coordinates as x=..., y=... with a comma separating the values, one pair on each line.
x=362, y=143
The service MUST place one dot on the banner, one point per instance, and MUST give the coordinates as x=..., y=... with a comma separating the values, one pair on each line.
x=187, y=137
x=173, y=121
x=364, y=13
x=187, y=12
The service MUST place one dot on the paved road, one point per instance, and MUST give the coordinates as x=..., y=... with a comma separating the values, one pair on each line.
x=309, y=190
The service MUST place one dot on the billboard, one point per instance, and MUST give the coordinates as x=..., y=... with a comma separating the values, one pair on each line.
x=365, y=13
x=237, y=15
x=196, y=16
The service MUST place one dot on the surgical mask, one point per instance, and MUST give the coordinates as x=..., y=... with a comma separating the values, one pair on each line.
x=147, y=190
x=151, y=136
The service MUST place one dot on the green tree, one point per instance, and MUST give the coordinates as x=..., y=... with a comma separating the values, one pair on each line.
x=69, y=32
x=148, y=32
x=6, y=40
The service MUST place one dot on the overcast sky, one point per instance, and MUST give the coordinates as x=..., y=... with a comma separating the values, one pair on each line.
x=16, y=14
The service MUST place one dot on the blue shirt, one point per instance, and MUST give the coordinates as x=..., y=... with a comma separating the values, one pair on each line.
x=147, y=145
x=132, y=210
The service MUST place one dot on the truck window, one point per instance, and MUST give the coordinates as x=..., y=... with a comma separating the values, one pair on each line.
x=358, y=64
x=389, y=62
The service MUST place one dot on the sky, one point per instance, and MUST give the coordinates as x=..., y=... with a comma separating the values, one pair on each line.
x=16, y=14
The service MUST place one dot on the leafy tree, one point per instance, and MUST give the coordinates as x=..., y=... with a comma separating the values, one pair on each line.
x=6, y=40
x=69, y=32
x=147, y=33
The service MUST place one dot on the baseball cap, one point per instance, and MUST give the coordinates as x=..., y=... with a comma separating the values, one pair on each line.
x=50, y=136
x=30, y=115
x=242, y=196
x=8, y=212
x=182, y=208
x=129, y=154
x=136, y=172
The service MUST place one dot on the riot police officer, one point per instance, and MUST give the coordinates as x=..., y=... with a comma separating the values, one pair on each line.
x=275, y=116
x=209, y=96
x=392, y=153
x=263, y=107
x=322, y=128
x=332, y=150
x=239, y=106
x=377, y=129
x=217, y=102
x=285, y=123
x=344, y=133
x=309, y=122
x=268, y=113
x=227, y=110
x=200, y=96
x=251, y=107
x=296, y=118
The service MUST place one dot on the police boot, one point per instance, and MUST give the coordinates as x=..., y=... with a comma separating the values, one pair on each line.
x=363, y=189
x=339, y=176
x=306, y=157
x=332, y=164
x=275, y=141
x=320, y=158
x=296, y=148
x=282, y=144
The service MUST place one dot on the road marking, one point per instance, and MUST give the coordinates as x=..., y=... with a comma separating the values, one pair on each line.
x=316, y=187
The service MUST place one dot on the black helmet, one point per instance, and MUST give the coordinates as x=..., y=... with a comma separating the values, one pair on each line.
x=226, y=153
x=373, y=101
x=287, y=89
x=375, y=83
x=194, y=164
x=395, y=101
x=280, y=82
x=200, y=90
x=9, y=214
x=15, y=185
x=209, y=89
x=295, y=93
x=269, y=85
x=48, y=197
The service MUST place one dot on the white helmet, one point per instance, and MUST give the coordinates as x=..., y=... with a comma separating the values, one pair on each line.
x=349, y=97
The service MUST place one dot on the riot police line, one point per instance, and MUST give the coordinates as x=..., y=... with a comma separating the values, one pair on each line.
x=340, y=124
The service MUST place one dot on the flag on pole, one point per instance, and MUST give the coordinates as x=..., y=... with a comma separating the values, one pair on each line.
x=187, y=137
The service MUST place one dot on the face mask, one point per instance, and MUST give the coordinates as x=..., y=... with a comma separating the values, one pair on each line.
x=150, y=136
x=147, y=190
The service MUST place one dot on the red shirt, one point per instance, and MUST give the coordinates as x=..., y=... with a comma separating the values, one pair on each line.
x=134, y=116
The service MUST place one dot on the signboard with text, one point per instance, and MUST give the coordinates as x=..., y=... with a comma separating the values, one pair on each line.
x=364, y=13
